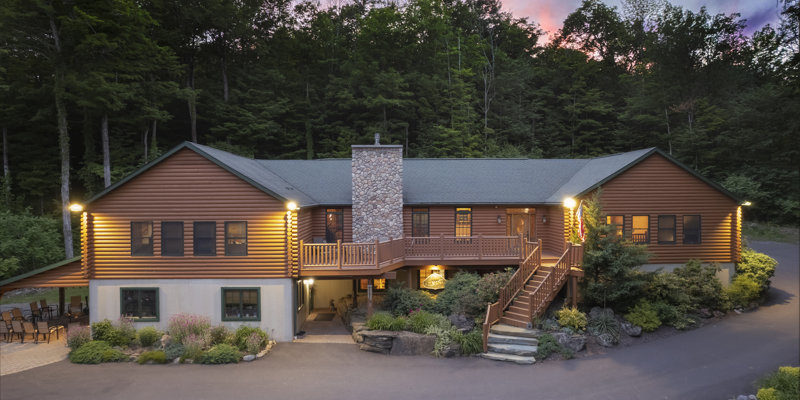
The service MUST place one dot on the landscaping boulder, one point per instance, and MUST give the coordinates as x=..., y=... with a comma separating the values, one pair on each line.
x=377, y=341
x=597, y=312
x=452, y=350
x=575, y=343
x=249, y=357
x=462, y=322
x=605, y=340
x=631, y=329
x=165, y=340
x=358, y=327
x=412, y=344
x=704, y=313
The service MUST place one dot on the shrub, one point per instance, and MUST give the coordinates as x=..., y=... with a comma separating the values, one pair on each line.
x=182, y=325
x=460, y=296
x=757, y=266
x=548, y=345
x=572, y=318
x=444, y=336
x=605, y=324
x=784, y=384
x=399, y=323
x=254, y=342
x=95, y=352
x=156, y=356
x=701, y=285
x=243, y=333
x=102, y=330
x=489, y=285
x=421, y=321
x=148, y=336
x=470, y=342
x=400, y=300
x=220, y=334
x=174, y=350
x=380, y=321
x=193, y=346
x=221, y=354
x=645, y=316
x=77, y=337
x=119, y=333
x=743, y=291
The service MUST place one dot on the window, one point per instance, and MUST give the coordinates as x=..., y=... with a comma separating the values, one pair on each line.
x=236, y=238
x=463, y=222
x=334, y=225
x=691, y=229
x=378, y=285
x=139, y=304
x=666, y=229
x=205, y=238
x=172, y=239
x=241, y=304
x=420, y=222
x=619, y=222
x=142, y=238
x=640, y=225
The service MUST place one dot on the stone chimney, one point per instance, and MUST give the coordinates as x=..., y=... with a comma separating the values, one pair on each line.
x=377, y=192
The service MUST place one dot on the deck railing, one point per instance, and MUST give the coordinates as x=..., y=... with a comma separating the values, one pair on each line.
x=328, y=256
x=514, y=285
x=543, y=294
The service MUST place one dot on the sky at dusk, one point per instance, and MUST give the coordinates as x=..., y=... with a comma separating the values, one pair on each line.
x=550, y=14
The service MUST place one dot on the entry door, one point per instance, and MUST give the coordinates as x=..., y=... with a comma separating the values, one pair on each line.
x=521, y=224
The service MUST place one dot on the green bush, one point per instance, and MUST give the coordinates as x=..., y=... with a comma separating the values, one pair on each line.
x=156, y=356
x=220, y=334
x=489, y=285
x=399, y=323
x=221, y=354
x=95, y=352
x=174, y=350
x=193, y=346
x=148, y=336
x=78, y=336
x=644, y=315
x=470, y=342
x=121, y=333
x=572, y=318
x=421, y=321
x=785, y=383
x=757, y=266
x=444, y=336
x=400, y=300
x=380, y=321
x=102, y=330
x=549, y=345
x=605, y=324
x=183, y=325
x=243, y=333
x=743, y=291
x=460, y=296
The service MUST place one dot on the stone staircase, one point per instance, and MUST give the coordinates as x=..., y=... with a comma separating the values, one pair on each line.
x=513, y=344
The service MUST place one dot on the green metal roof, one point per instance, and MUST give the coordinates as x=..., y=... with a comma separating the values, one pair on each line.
x=39, y=271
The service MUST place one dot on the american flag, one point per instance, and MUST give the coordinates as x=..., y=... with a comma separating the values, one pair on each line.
x=581, y=229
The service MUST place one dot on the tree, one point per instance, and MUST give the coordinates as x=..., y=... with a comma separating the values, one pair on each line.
x=27, y=242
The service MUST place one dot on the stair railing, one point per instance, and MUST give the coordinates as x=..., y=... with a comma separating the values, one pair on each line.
x=514, y=285
x=543, y=294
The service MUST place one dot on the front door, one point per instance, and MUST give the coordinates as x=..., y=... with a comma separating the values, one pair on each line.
x=521, y=222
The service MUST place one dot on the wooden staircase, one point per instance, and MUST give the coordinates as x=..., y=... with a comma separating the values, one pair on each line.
x=531, y=289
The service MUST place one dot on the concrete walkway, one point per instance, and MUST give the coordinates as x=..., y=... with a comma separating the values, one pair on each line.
x=718, y=361
x=17, y=357
x=332, y=331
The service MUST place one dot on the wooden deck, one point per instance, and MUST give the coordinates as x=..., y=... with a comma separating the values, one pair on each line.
x=332, y=259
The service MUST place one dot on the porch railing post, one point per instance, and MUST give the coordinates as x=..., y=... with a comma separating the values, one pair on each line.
x=480, y=246
x=377, y=254
x=300, y=257
x=521, y=247
x=339, y=254
x=441, y=246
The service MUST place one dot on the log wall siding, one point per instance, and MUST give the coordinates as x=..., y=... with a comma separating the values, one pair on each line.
x=305, y=225
x=293, y=244
x=187, y=187
x=87, y=244
x=656, y=186
x=318, y=223
x=69, y=275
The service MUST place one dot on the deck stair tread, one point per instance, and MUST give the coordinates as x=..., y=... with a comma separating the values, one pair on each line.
x=524, y=360
x=505, y=339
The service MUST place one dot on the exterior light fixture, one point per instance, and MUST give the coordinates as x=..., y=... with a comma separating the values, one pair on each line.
x=747, y=204
x=291, y=206
x=570, y=203
x=499, y=219
x=544, y=219
x=434, y=281
x=308, y=282
x=75, y=207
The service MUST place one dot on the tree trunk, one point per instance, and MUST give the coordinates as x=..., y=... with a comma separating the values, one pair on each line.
x=192, y=101
x=63, y=143
x=145, y=142
x=6, y=171
x=669, y=134
x=309, y=133
x=224, y=68
x=154, y=143
x=106, y=155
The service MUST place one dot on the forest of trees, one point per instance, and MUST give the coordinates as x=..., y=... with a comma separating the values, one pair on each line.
x=92, y=89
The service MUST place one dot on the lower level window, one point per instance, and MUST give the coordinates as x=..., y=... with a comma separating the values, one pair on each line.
x=378, y=285
x=241, y=304
x=139, y=304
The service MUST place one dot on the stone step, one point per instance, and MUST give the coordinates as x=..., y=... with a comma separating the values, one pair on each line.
x=505, y=339
x=506, y=330
x=523, y=360
x=515, y=349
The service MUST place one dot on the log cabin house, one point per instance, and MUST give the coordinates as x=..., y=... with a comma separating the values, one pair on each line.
x=204, y=231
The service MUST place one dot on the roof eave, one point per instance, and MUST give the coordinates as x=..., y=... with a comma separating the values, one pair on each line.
x=39, y=270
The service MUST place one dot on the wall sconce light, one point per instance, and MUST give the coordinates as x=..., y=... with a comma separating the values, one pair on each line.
x=291, y=206
x=75, y=207
x=499, y=219
x=747, y=204
x=544, y=219
x=570, y=203
x=308, y=282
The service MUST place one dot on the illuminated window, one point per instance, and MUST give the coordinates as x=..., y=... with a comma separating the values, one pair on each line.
x=241, y=304
x=463, y=222
x=691, y=229
x=377, y=284
x=334, y=225
x=618, y=221
x=666, y=229
x=640, y=228
x=142, y=238
x=420, y=222
x=172, y=238
x=236, y=238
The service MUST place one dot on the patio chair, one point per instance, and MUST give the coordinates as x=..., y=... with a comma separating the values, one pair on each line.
x=28, y=329
x=7, y=319
x=75, y=306
x=5, y=332
x=36, y=312
x=16, y=329
x=43, y=330
x=51, y=310
x=17, y=314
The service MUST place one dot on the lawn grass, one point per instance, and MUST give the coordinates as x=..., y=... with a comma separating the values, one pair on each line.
x=772, y=233
x=49, y=294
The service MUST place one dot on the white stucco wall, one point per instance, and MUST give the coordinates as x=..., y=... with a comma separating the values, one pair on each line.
x=199, y=296
x=725, y=274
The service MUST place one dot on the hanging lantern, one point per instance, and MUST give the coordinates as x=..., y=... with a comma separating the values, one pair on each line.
x=434, y=281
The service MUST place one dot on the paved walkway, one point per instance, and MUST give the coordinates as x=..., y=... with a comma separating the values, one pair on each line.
x=17, y=357
x=332, y=331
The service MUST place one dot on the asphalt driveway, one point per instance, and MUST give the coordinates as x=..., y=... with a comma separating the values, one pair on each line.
x=717, y=361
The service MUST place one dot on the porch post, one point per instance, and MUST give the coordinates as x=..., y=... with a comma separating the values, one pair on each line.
x=355, y=293
x=61, y=299
x=369, y=297
x=574, y=289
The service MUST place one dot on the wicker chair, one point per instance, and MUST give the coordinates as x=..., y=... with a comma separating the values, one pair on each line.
x=6, y=332
x=17, y=315
x=36, y=312
x=7, y=319
x=51, y=310
x=16, y=330
x=43, y=330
